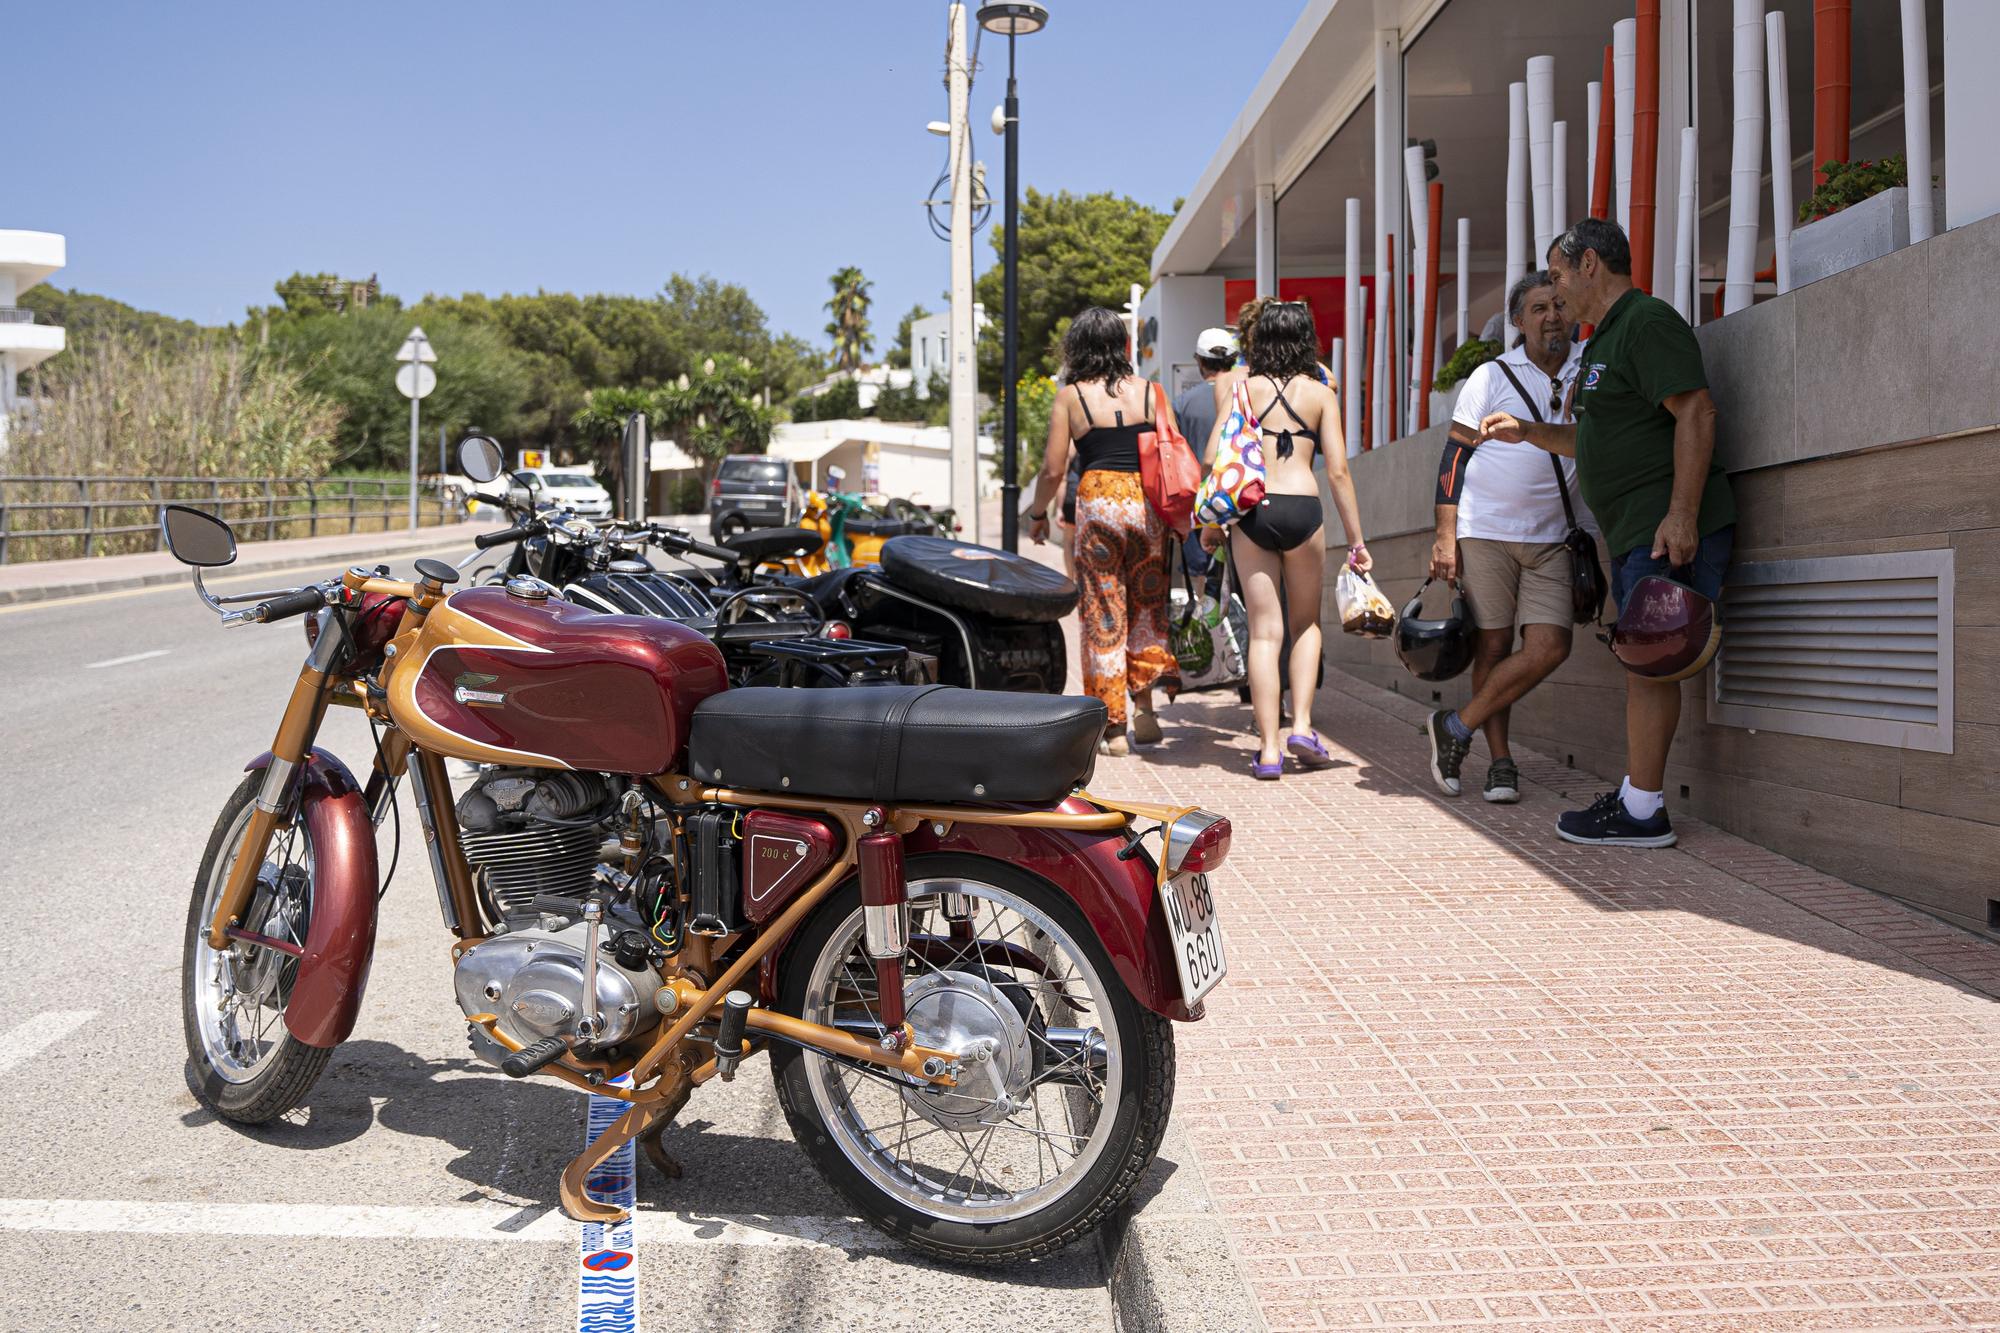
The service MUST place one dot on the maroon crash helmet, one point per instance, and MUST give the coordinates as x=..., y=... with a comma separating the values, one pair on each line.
x=1667, y=631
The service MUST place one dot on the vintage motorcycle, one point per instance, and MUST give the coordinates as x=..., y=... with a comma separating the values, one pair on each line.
x=963, y=965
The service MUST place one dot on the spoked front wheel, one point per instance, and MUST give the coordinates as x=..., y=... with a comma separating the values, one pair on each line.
x=247, y=1066
x=1061, y=1103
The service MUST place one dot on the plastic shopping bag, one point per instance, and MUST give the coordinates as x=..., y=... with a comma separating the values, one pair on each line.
x=1209, y=638
x=1363, y=608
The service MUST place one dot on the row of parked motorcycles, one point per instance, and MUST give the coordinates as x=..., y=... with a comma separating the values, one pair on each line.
x=918, y=610
x=709, y=809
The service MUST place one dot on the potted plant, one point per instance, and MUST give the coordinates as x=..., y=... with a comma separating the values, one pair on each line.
x=1861, y=211
x=1471, y=354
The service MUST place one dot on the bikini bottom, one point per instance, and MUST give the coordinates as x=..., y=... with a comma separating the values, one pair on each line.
x=1283, y=522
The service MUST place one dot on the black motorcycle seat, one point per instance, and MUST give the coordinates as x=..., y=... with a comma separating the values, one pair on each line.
x=898, y=743
x=760, y=544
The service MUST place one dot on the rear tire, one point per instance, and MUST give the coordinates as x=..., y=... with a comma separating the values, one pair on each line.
x=1132, y=1098
x=246, y=1066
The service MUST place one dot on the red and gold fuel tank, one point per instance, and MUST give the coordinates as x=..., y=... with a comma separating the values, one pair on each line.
x=500, y=679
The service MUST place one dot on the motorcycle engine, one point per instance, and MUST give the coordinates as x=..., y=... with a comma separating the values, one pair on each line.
x=532, y=982
x=538, y=834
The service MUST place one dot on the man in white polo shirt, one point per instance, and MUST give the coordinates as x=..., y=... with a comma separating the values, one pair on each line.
x=1500, y=529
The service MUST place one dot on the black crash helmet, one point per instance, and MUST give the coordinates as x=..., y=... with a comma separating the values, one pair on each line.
x=1435, y=649
x=1667, y=631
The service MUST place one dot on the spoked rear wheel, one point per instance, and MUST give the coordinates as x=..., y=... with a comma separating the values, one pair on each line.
x=1053, y=1120
x=247, y=1066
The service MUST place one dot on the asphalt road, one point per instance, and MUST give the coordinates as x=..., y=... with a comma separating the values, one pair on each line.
x=416, y=1189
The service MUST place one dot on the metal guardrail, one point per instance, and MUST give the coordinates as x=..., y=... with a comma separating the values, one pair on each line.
x=53, y=518
x=16, y=314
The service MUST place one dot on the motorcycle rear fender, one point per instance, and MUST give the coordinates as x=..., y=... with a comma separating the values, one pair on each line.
x=340, y=942
x=1118, y=898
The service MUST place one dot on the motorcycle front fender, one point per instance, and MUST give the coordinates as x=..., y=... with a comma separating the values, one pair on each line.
x=1118, y=898
x=340, y=941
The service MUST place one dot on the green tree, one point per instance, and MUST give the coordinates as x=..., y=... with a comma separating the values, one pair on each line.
x=715, y=411
x=351, y=358
x=1076, y=251
x=86, y=319
x=1035, y=399
x=899, y=355
x=849, y=327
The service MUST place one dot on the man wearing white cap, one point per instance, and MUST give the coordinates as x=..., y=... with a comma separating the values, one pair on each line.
x=1215, y=352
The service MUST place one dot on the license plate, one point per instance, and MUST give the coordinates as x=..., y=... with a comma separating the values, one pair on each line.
x=1196, y=934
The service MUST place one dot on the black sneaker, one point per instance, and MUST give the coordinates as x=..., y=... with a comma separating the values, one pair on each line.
x=1503, y=782
x=1606, y=823
x=1447, y=752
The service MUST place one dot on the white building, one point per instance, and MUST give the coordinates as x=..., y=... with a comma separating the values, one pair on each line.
x=869, y=381
x=930, y=346
x=26, y=257
x=880, y=457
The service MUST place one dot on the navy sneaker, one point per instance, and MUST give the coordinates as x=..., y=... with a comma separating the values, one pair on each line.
x=1607, y=823
x=1447, y=752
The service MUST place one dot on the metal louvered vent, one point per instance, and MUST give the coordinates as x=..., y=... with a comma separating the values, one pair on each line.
x=1850, y=647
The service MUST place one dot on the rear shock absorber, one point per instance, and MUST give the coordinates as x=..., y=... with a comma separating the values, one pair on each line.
x=885, y=927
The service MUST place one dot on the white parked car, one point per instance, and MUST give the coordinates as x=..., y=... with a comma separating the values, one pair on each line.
x=568, y=487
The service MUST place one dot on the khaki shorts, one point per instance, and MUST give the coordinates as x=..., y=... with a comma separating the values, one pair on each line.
x=1515, y=583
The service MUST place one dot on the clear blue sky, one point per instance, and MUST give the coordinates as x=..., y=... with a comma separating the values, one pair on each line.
x=196, y=153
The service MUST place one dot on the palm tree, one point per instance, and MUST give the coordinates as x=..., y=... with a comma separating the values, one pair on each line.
x=849, y=329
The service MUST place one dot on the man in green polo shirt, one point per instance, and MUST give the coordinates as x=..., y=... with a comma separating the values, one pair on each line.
x=1644, y=444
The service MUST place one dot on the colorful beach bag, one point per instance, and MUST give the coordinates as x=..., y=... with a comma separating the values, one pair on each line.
x=1235, y=481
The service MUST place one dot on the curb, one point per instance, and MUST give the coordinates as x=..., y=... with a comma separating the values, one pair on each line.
x=1168, y=1263
x=59, y=592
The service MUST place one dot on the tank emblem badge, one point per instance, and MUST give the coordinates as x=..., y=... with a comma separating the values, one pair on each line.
x=469, y=689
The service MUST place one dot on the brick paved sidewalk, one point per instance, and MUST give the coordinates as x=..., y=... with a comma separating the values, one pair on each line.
x=1462, y=1072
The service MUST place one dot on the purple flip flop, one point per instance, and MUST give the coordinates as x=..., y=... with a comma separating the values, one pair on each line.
x=1267, y=772
x=1306, y=748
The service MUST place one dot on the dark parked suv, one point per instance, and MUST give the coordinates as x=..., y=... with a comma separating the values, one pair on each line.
x=751, y=491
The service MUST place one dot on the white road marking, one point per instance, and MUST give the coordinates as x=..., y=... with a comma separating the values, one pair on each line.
x=475, y=1222
x=28, y=1040
x=121, y=661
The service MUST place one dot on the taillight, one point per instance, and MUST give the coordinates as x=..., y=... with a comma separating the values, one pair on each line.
x=837, y=629
x=715, y=487
x=1197, y=843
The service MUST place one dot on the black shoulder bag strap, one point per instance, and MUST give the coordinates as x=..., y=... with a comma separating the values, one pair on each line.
x=1562, y=482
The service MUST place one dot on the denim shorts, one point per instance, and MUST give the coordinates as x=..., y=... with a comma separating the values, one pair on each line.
x=1704, y=575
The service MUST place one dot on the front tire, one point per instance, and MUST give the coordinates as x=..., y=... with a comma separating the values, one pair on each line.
x=245, y=1065
x=1098, y=1069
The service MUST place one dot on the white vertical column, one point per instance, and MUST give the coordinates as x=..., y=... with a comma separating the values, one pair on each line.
x=964, y=342
x=1624, y=63
x=1595, y=92
x=1781, y=145
x=1517, y=192
x=1420, y=235
x=1558, y=188
x=1746, y=153
x=1388, y=218
x=1464, y=278
x=1267, y=240
x=1541, y=134
x=1684, y=297
x=1971, y=109
x=1357, y=339
x=1917, y=118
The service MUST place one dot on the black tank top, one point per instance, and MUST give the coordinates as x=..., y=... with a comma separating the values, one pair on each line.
x=1111, y=448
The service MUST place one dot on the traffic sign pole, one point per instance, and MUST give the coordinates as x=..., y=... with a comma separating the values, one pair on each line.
x=414, y=380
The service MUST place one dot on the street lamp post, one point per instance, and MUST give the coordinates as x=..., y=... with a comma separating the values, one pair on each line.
x=1011, y=20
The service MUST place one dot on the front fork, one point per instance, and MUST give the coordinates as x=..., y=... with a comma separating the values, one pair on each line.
x=296, y=733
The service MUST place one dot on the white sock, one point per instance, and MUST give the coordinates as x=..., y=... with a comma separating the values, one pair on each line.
x=1641, y=804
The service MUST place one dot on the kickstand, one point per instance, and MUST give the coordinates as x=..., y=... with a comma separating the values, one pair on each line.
x=656, y=1152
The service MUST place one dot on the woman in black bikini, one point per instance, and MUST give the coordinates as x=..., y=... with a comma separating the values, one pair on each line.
x=1281, y=538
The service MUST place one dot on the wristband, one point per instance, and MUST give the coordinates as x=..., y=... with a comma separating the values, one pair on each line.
x=1039, y=518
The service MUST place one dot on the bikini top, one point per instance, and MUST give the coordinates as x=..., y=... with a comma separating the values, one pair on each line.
x=1284, y=445
x=1111, y=448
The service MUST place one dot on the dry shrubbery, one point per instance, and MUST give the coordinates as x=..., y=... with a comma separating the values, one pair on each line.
x=201, y=408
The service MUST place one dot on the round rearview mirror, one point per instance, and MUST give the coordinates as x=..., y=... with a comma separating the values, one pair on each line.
x=479, y=457
x=197, y=538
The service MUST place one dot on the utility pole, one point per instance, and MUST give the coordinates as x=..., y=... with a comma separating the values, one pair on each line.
x=964, y=338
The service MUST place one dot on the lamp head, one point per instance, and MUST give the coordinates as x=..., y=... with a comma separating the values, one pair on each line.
x=1015, y=18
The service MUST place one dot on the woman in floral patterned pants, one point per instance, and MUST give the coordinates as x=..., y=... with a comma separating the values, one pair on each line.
x=1121, y=544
